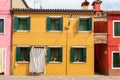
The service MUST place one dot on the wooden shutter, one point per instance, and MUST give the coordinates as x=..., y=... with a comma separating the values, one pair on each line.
x=89, y=24
x=72, y=58
x=16, y=23
x=84, y=54
x=48, y=54
x=18, y=56
x=115, y=59
x=28, y=23
x=48, y=24
x=60, y=54
x=79, y=24
x=61, y=23
x=28, y=56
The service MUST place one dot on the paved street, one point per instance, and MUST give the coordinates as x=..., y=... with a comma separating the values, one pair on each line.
x=96, y=77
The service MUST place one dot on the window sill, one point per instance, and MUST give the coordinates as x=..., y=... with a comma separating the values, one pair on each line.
x=116, y=68
x=22, y=31
x=84, y=31
x=2, y=33
x=78, y=62
x=22, y=62
x=54, y=31
x=54, y=62
x=116, y=36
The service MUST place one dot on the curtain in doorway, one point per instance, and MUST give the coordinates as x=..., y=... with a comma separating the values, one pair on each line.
x=2, y=59
x=37, y=59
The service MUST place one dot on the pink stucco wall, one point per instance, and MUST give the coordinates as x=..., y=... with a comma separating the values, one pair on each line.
x=5, y=39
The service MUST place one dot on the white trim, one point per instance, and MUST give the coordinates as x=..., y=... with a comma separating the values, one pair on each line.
x=112, y=60
x=22, y=30
x=23, y=46
x=54, y=62
x=55, y=16
x=55, y=46
x=113, y=29
x=78, y=62
x=54, y=31
x=22, y=16
x=22, y=62
x=85, y=17
x=84, y=31
x=78, y=46
x=4, y=25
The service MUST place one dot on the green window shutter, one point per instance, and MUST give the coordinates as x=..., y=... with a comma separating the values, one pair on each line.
x=18, y=56
x=84, y=54
x=72, y=58
x=28, y=23
x=48, y=24
x=89, y=24
x=115, y=59
x=28, y=56
x=79, y=24
x=60, y=54
x=48, y=54
x=61, y=23
x=16, y=23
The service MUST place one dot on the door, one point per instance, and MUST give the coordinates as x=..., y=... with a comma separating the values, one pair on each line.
x=37, y=59
x=2, y=60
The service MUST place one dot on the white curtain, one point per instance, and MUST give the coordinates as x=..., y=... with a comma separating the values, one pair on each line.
x=2, y=59
x=37, y=59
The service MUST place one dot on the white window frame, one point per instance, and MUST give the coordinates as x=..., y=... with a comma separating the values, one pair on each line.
x=113, y=29
x=53, y=18
x=22, y=62
x=79, y=47
x=57, y=62
x=4, y=25
x=112, y=59
x=86, y=17
x=25, y=18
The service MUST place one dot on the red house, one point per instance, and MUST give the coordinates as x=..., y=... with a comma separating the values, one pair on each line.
x=107, y=41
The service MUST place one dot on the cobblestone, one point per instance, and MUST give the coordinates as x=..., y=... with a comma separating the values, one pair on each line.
x=42, y=77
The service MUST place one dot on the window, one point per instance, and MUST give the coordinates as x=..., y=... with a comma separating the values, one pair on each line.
x=85, y=24
x=22, y=53
x=54, y=23
x=116, y=60
x=116, y=28
x=22, y=23
x=78, y=54
x=1, y=26
x=54, y=54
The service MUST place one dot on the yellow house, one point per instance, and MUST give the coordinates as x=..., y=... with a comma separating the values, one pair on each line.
x=52, y=41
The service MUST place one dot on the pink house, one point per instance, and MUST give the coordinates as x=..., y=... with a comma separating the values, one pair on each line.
x=5, y=37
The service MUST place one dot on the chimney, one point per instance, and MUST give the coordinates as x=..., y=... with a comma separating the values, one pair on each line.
x=96, y=6
x=85, y=5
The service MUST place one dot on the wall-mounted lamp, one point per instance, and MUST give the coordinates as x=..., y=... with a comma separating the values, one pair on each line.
x=71, y=17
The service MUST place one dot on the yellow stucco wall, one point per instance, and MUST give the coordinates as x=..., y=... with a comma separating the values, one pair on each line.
x=39, y=36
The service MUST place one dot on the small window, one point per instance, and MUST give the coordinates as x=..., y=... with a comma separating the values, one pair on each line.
x=22, y=23
x=78, y=54
x=116, y=29
x=54, y=24
x=22, y=53
x=116, y=60
x=54, y=54
x=1, y=25
x=85, y=24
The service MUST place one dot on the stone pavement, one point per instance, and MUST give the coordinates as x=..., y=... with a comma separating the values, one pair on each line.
x=95, y=77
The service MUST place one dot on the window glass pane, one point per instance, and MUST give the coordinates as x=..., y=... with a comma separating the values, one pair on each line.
x=24, y=53
x=117, y=28
x=83, y=25
x=116, y=60
x=55, y=54
x=55, y=24
x=22, y=24
x=78, y=54
x=1, y=25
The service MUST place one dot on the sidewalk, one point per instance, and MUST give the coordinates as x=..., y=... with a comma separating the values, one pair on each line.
x=96, y=77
